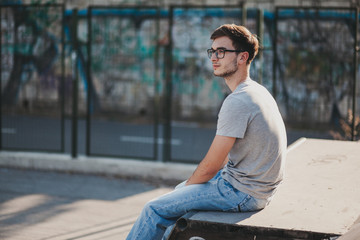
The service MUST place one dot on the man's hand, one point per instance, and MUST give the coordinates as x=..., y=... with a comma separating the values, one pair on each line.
x=214, y=160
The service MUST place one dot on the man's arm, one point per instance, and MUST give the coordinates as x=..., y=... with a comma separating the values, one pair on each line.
x=214, y=160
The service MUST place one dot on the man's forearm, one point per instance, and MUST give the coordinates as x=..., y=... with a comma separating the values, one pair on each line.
x=202, y=174
x=214, y=160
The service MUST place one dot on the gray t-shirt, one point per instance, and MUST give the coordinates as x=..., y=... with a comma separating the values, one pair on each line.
x=257, y=159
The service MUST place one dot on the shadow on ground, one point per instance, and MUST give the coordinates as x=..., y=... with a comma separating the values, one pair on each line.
x=40, y=196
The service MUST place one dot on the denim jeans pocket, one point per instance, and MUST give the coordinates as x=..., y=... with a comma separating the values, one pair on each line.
x=240, y=201
x=252, y=204
x=234, y=196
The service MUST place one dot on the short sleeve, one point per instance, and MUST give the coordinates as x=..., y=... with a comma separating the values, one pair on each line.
x=233, y=118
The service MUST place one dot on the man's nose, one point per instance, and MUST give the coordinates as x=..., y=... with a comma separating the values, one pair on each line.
x=213, y=57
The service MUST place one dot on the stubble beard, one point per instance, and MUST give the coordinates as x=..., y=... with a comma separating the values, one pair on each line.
x=229, y=72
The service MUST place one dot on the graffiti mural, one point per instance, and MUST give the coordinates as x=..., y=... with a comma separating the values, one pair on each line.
x=128, y=65
x=123, y=62
x=316, y=65
x=31, y=77
x=30, y=51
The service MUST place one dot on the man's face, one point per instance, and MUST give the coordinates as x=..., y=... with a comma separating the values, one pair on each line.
x=226, y=66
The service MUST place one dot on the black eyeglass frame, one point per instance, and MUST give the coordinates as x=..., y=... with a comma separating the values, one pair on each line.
x=211, y=51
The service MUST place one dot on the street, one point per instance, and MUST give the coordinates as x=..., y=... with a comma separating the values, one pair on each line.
x=189, y=142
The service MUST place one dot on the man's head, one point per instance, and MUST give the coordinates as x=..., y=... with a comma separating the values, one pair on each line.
x=242, y=39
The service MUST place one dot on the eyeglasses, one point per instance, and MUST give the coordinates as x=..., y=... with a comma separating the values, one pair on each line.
x=219, y=53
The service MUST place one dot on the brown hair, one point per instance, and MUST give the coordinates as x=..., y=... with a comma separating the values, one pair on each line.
x=242, y=39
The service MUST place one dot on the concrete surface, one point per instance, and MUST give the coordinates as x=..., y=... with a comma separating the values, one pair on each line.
x=321, y=191
x=62, y=201
x=36, y=205
x=96, y=165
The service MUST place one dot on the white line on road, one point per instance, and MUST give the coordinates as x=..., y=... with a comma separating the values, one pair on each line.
x=148, y=140
x=8, y=130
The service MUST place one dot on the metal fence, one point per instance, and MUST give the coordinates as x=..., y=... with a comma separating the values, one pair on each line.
x=135, y=82
x=316, y=65
x=32, y=77
x=123, y=71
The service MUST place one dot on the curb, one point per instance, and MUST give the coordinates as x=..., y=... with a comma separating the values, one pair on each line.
x=138, y=169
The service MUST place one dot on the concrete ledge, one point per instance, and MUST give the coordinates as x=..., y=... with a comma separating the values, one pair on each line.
x=319, y=199
x=97, y=165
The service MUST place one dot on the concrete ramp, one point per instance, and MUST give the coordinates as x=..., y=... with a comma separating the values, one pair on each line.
x=319, y=199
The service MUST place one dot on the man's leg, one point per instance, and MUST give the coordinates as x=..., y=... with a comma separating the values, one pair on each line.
x=162, y=212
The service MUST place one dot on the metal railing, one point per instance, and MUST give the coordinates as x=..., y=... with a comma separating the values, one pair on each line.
x=135, y=82
x=32, y=77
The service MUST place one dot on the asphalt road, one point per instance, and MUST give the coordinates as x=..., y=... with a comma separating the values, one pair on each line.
x=189, y=143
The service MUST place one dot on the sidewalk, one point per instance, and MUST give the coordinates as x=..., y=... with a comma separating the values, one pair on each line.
x=40, y=205
x=54, y=197
x=86, y=201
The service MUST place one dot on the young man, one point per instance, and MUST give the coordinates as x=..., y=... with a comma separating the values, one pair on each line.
x=245, y=162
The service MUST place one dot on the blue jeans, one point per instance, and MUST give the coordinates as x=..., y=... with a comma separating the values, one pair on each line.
x=215, y=195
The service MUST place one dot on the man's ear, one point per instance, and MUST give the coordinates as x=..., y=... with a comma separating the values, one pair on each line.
x=243, y=57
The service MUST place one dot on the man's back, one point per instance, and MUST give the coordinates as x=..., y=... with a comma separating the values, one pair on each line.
x=256, y=160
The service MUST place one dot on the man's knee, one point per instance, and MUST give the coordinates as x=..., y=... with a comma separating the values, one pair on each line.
x=161, y=209
x=149, y=207
x=153, y=207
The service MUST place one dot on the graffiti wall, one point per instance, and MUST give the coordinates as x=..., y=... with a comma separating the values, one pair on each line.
x=121, y=64
x=315, y=70
x=30, y=57
x=31, y=77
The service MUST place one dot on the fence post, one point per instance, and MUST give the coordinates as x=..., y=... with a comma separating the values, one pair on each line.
x=156, y=85
x=0, y=82
x=88, y=76
x=74, y=135
x=168, y=93
x=356, y=49
x=62, y=83
x=243, y=14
